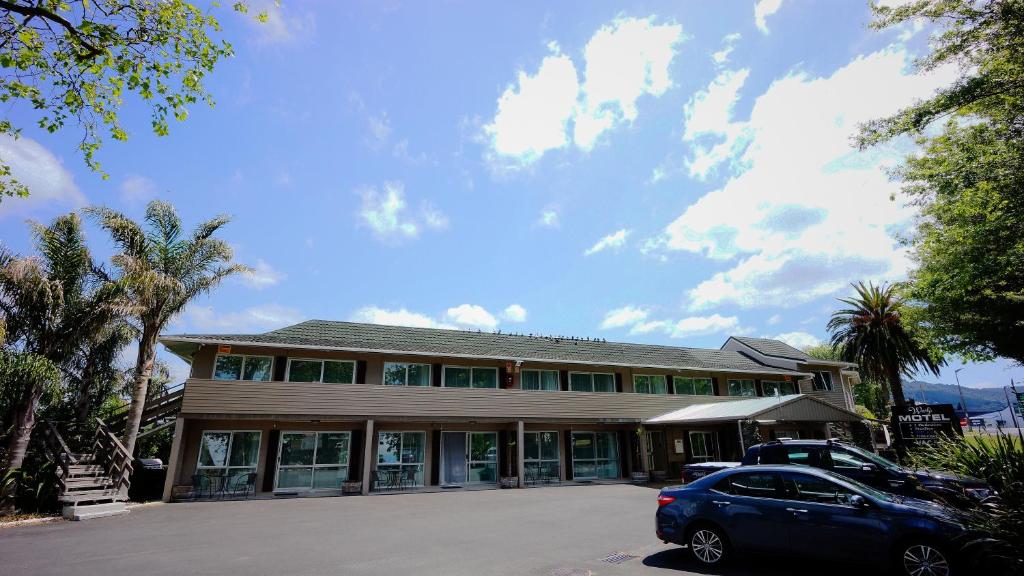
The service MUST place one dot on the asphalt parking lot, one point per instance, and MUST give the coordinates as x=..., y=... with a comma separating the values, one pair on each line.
x=552, y=531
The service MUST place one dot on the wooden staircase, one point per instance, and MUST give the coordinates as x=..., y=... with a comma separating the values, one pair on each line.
x=93, y=484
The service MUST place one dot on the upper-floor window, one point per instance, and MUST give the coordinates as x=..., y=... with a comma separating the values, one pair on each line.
x=694, y=386
x=242, y=367
x=650, y=384
x=742, y=388
x=538, y=379
x=823, y=381
x=403, y=374
x=326, y=371
x=469, y=377
x=591, y=382
x=778, y=387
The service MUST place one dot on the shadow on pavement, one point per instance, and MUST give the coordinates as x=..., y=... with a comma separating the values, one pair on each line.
x=752, y=565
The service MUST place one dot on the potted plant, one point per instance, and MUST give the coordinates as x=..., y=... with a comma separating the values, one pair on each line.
x=639, y=476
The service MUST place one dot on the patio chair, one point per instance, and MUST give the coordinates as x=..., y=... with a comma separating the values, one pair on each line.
x=201, y=483
x=408, y=479
x=243, y=484
x=532, y=476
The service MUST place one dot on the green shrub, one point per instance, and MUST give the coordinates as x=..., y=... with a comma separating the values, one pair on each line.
x=999, y=460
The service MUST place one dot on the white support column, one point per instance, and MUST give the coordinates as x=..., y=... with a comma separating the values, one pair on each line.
x=521, y=452
x=174, y=460
x=367, y=453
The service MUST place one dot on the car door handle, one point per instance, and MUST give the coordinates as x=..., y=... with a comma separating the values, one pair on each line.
x=720, y=502
x=796, y=510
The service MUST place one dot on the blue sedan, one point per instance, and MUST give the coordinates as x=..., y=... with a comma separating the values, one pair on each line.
x=798, y=510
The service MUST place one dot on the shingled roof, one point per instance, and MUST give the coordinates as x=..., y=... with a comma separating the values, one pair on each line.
x=358, y=337
x=775, y=348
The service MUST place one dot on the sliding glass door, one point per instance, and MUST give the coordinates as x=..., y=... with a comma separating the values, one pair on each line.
x=313, y=460
x=469, y=457
x=595, y=455
x=403, y=452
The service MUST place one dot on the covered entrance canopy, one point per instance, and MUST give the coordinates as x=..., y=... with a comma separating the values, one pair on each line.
x=793, y=408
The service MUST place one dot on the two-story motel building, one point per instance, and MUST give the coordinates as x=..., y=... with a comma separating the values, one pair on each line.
x=318, y=404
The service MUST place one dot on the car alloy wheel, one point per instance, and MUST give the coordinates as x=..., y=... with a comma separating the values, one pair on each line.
x=707, y=546
x=925, y=560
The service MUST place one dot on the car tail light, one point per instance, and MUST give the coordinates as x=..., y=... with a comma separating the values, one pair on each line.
x=664, y=500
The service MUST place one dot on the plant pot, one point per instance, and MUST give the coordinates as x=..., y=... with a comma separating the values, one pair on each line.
x=351, y=487
x=639, y=478
x=509, y=481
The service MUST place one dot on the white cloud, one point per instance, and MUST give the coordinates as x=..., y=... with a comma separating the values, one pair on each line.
x=432, y=217
x=705, y=325
x=514, y=313
x=379, y=130
x=533, y=116
x=651, y=326
x=262, y=275
x=473, y=316
x=721, y=57
x=798, y=339
x=137, y=189
x=549, y=218
x=775, y=319
x=284, y=23
x=385, y=213
x=49, y=183
x=624, y=60
x=804, y=213
x=253, y=319
x=762, y=10
x=614, y=240
x=708, y=121
x=400, y=317
x=625, y=316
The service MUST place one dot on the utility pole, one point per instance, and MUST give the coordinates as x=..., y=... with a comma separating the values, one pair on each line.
x=962, y=403
x=1009, y=405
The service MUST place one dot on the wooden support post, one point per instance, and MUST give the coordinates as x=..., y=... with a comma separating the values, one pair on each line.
x=174, y=459
x=367, y=453
x=521, y=452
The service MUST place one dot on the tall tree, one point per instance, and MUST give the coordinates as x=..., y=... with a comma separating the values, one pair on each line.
x=76, y=60
x=967, y=178
x=871, y=333
x=163, y=270
x=49, y=304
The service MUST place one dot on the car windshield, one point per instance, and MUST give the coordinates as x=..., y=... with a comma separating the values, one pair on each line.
x=863, y=488
x=878, y=460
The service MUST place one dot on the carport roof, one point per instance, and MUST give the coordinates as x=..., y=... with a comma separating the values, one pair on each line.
x=795, y=408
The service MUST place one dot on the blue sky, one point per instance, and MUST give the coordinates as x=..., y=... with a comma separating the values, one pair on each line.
x=657, y=172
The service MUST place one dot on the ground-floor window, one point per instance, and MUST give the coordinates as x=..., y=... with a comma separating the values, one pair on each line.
x=402, y=453
x=540, y=458
x=703, y=447
x=469, y=457
x=227, y=454
x=313, y=460
x=778, y=388
x=595, y=455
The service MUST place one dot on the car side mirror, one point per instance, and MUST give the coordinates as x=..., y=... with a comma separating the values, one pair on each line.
x=858, y=501
x=868, y=468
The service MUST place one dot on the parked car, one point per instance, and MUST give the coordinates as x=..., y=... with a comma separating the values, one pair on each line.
x=858, y=464
x=871, y=469
x=791, y=510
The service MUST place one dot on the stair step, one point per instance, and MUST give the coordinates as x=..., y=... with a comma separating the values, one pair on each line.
x=89, y=511
x=93, y=496
x=86, y=482
x=86, y=469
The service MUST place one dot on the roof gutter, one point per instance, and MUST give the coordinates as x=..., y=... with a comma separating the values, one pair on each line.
x=164, y=340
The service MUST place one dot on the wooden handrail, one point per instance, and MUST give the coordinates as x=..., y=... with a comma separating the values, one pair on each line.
x=119, y=461
x=58, y=448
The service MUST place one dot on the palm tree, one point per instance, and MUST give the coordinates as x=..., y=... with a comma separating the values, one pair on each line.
x=163, y=270
x=871, y=333
x=49, y=304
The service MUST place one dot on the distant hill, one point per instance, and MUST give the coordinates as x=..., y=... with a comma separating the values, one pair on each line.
x=977, y=399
